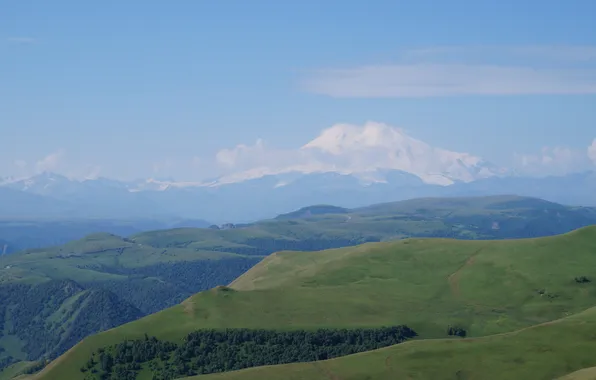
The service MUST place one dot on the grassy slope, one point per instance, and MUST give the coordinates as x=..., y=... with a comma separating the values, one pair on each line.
x=540, y=352
x=582, y=374
x=82, y=260
x=488, y=287
x=14, y=370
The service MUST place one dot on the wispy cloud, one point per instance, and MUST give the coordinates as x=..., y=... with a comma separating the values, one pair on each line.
x=556, y=160
x=50, y=162
x=452, y=71
x=21, y=40
x=537, y=53
x=592, y=151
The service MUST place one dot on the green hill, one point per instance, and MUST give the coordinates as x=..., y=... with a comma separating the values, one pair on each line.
x=478, y=288
x=16, y=370
x=309, y=211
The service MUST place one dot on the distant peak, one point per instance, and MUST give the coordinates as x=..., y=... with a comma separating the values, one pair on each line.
x=341, y=137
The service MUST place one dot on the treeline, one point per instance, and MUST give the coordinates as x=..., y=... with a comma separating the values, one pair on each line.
x=211, y=351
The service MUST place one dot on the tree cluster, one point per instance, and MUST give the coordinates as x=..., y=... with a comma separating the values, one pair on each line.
x=456, y=331
x=211, y=351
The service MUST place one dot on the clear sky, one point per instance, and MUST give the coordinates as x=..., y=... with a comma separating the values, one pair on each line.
x=131, y=89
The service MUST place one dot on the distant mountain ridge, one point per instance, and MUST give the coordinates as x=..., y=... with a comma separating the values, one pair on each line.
x=346, y=165
x=50, y=196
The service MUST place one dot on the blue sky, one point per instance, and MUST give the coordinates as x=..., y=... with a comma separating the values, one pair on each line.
x=134, y=88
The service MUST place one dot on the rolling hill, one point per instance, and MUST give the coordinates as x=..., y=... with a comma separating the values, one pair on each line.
x=158, y=269
x=484, y=290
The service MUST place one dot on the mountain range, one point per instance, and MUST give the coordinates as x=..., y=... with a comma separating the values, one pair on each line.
x=49, y=195
x=345, y=165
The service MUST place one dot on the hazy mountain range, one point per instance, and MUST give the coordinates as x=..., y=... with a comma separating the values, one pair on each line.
x=53, y=196
x=345, y=165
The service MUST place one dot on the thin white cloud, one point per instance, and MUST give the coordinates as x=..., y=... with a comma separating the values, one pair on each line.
x=50, y=162
x=537, y=53
x=429, y=80
x=260, y=158
x=453, y=71
x=592, y=152
x=21, y=40
x=553, y=161
x=231, y=158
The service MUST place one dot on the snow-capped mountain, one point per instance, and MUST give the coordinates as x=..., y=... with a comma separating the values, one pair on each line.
x=367, y=151
x=44, y=183
x=377, y=146
x=345, y=165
